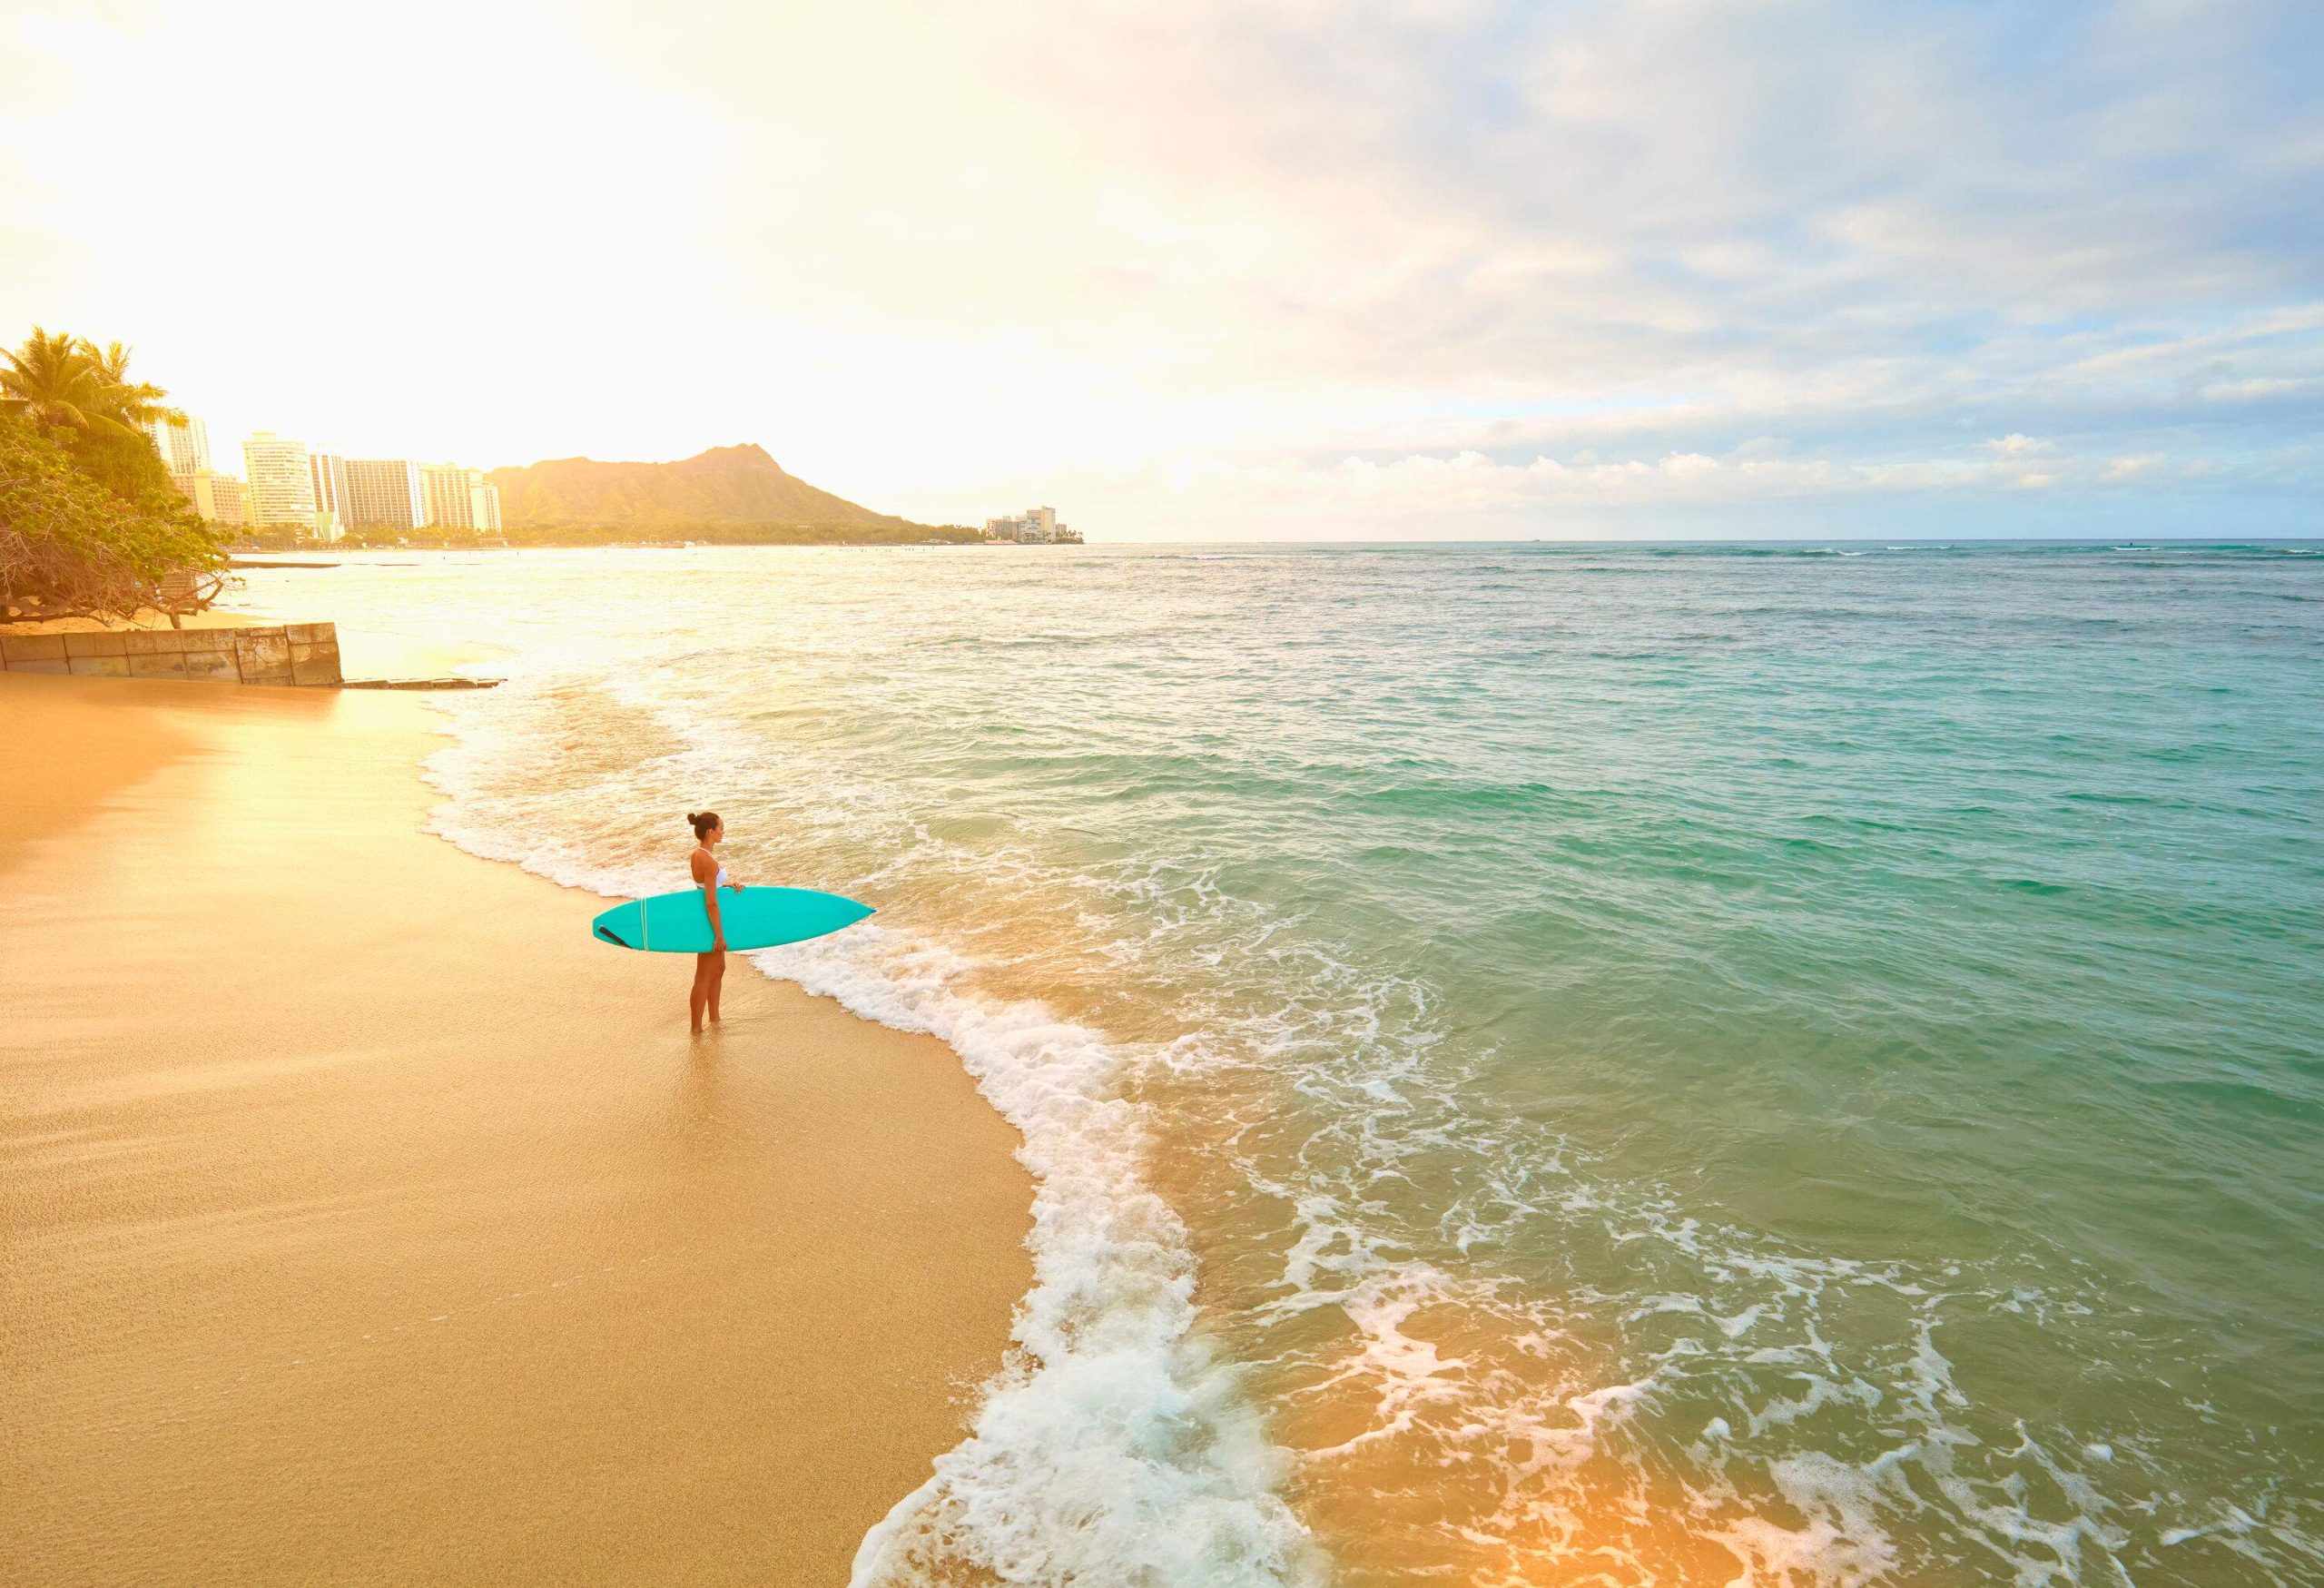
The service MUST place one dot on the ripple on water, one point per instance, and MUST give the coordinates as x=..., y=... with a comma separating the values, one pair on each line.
x=1550, y=1065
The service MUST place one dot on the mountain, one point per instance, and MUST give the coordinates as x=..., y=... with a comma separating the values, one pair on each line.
x=724, y=486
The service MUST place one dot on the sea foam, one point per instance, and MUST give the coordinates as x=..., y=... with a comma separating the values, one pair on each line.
x=1486, y=938
x=1112, y=1446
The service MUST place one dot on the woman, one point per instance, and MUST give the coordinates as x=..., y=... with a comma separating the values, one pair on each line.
x=710, y=968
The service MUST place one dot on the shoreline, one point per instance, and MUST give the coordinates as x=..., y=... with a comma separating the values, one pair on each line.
x=371, y=1224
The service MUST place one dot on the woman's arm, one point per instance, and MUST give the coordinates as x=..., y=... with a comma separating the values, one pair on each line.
x=706, y=876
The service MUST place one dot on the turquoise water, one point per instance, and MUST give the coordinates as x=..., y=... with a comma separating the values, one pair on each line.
x=1544, y=1064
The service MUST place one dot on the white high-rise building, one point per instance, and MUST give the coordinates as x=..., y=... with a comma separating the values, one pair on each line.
x=281, y=483
x=446, y=485
x=184, y=444
x=1035, y=525
x=329, y=472
x=461, y=497
x=384, y=493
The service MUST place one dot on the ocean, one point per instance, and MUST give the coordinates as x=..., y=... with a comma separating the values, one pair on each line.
x=1542, y=1063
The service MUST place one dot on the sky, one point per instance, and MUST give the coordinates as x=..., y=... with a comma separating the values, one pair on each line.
x=1228, y=269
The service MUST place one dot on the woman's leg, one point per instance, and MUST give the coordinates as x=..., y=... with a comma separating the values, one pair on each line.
x=700, y=995
x=717, y=981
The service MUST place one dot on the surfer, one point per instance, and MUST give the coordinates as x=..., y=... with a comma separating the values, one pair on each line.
x=710, y=968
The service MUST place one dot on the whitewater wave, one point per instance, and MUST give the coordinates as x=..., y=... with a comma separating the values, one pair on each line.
x=1113, y=1445
x=1557, y=1361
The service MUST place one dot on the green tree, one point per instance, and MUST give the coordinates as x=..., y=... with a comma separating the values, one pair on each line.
x=70, y=546
x=60, y=384
x=138, y=402
x=89, y=519
x=84, y=395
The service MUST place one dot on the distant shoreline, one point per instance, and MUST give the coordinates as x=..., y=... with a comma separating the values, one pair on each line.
x=245, y=548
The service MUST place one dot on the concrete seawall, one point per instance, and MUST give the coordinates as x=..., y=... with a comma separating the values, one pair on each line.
x=294, y=655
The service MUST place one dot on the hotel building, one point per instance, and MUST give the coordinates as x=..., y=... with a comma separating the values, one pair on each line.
x=184, y=444
x=384, y=493
x=281, y=483
x=328, y=471
x=460, y=498
x=1035, y=525
x=219, y=497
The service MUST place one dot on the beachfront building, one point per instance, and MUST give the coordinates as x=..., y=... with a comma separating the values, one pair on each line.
x=447, y=488
x=460, y=498
x=184, y=443
x=281, y=483
x=1033, y=527
x=219, y=499
x=328, y=473
x=384, y=493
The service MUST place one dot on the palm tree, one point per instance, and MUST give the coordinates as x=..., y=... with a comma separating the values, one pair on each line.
x=56, y=381
x=139, y=402
x=68, y=382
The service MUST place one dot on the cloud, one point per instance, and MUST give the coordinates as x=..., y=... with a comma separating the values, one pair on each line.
x=1466, y=494
x=1787, y=251
x=1417, y=230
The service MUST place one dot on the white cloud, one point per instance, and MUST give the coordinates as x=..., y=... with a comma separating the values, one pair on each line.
x=1421, y=496
x=943, y=258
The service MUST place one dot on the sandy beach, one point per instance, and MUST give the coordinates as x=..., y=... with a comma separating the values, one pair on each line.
x=364, y=1222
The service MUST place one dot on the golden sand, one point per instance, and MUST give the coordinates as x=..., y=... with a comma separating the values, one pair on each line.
x=363, y=1222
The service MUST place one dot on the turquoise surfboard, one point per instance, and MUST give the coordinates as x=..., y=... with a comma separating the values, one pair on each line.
x=754, y=918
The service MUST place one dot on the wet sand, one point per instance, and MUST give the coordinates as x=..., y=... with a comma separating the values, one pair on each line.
x=363, y=1222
